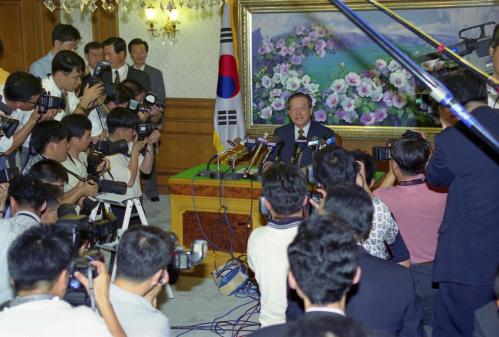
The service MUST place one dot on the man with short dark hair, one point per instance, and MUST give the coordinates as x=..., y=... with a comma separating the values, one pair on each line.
x=115, y=53
x=39, y=262
x=419, y=210
x=322, y=268
x=302, y=127
x=20, y=95
x=384, y=300
x=138, y=50
x=467, y=256
x=143, y=255
x=28, y=199
x=94, y=53
x=67, y=70
x=64, y=37
x=284, y=189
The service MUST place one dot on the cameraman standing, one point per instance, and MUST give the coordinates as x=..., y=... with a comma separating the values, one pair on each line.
x=122, y=124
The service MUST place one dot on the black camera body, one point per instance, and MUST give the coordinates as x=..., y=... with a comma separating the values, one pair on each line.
x=144, y=130
x=381, y=153
x=76, y=294
x=151, y=99
x=8, y=126
x=46, y=102
x=94, y=159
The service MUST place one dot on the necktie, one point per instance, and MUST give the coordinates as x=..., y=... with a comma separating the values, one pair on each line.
x=300, y=134
x=116, y=77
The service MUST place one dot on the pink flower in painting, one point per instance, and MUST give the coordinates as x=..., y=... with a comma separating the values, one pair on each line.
x=266, y=82
x=296, y=59
x=393, y=65
x=368, y=118
x=305, y=41
x=276, y=92
x=339, y=86
x=380, y=64
x=278, y=103
x=261, y=50
x=398, y=78
x=348, y=104
x=320, y=116
x=280, y=43
x=332, y=100
x=365, y=88
x=300, y=30
x=266, y=113
x=388, y=98
x=353, y=79
x=380, y=114
x=329, y=44
x=399, y=101
x=377, y=94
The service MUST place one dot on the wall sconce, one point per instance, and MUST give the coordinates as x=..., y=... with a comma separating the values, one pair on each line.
x=169, y=29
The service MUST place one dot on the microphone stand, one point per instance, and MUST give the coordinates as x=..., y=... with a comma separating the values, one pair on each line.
x=440, y=47
x=438, y=91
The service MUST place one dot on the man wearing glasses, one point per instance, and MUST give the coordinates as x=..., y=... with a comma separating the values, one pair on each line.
x=64, y=37
x=301, y=128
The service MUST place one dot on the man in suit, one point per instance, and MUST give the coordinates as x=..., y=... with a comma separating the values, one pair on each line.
x=323, y=266
x=467, y=252
x=302, y=127
x=94, y=53
x=384, y=299
x=138, y=50
x=115, y=53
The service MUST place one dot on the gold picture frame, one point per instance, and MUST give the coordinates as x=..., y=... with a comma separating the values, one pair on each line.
x=251, y=11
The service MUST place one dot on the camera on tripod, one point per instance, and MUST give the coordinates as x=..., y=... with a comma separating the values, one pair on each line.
x=46, y=102
x=182, y=259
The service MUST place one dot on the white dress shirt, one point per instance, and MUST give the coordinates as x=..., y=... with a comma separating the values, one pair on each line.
x=49, y=85
x=123, y=71
x=305, y=131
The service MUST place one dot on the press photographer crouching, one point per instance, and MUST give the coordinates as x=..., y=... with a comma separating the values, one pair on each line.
x=27, y=202
x=49, y=141
x=123, y=124
x=39, y=260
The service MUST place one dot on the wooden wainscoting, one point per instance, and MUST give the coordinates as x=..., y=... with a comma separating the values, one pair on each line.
x=186, y=139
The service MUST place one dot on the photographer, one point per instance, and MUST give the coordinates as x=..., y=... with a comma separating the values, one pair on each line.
x=49, y=141
x=122, y=124
x=284, y=188
x=39, y=260
x=78, y=127
x=419, y=210
x=28, y=198
x=143, y=255
x=21, y=92
x=119, y=97
x=67, y=70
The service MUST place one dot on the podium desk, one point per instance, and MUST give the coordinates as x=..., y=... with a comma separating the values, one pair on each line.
x=223, y=212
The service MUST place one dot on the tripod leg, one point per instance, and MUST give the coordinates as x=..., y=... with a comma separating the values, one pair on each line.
x=140, y=210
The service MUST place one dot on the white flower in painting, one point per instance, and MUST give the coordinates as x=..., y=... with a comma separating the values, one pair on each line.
x=293, y=84
x=276, y=92
x=312, y=88
x=365, y=88
x=266, y=113
x=277, y=103
x=398, y=78
x=305, y=80
x=399, y=101
x=377, y=94
x=332, y=100
x=388, y=98
x=380, y=64
x=348, y=104
x=393, y=65
x=266, y=82
x=339, y=86
x=353, y=79
x=277, y=78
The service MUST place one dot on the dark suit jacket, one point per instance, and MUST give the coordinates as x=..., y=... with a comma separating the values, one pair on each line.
x=140, y=77
x=467, y=249
x=287, y=133
x=157, y=82
x=315, y=323
x=384, y=300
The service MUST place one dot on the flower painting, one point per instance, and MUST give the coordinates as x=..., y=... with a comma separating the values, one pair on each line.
x=351, y=80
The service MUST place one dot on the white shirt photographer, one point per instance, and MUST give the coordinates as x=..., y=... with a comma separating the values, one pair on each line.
x=77, y=167
x=51, y=317
x=98, y=122
x=49, y=85
x=119, y=172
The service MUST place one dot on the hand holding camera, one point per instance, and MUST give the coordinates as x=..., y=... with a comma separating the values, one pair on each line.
x=100, y=283
x=88, y=188
x=138, y=145
x=90, y=95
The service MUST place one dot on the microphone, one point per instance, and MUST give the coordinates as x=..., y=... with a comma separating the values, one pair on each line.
x=300, y=145
x=261, y=141
x=273, y=145
x=320, y=142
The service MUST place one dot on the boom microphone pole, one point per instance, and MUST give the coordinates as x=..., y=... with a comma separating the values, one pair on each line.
x=440, y=47
x=438, y=91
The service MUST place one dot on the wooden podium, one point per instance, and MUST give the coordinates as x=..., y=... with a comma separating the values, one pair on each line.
x=223, y=212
